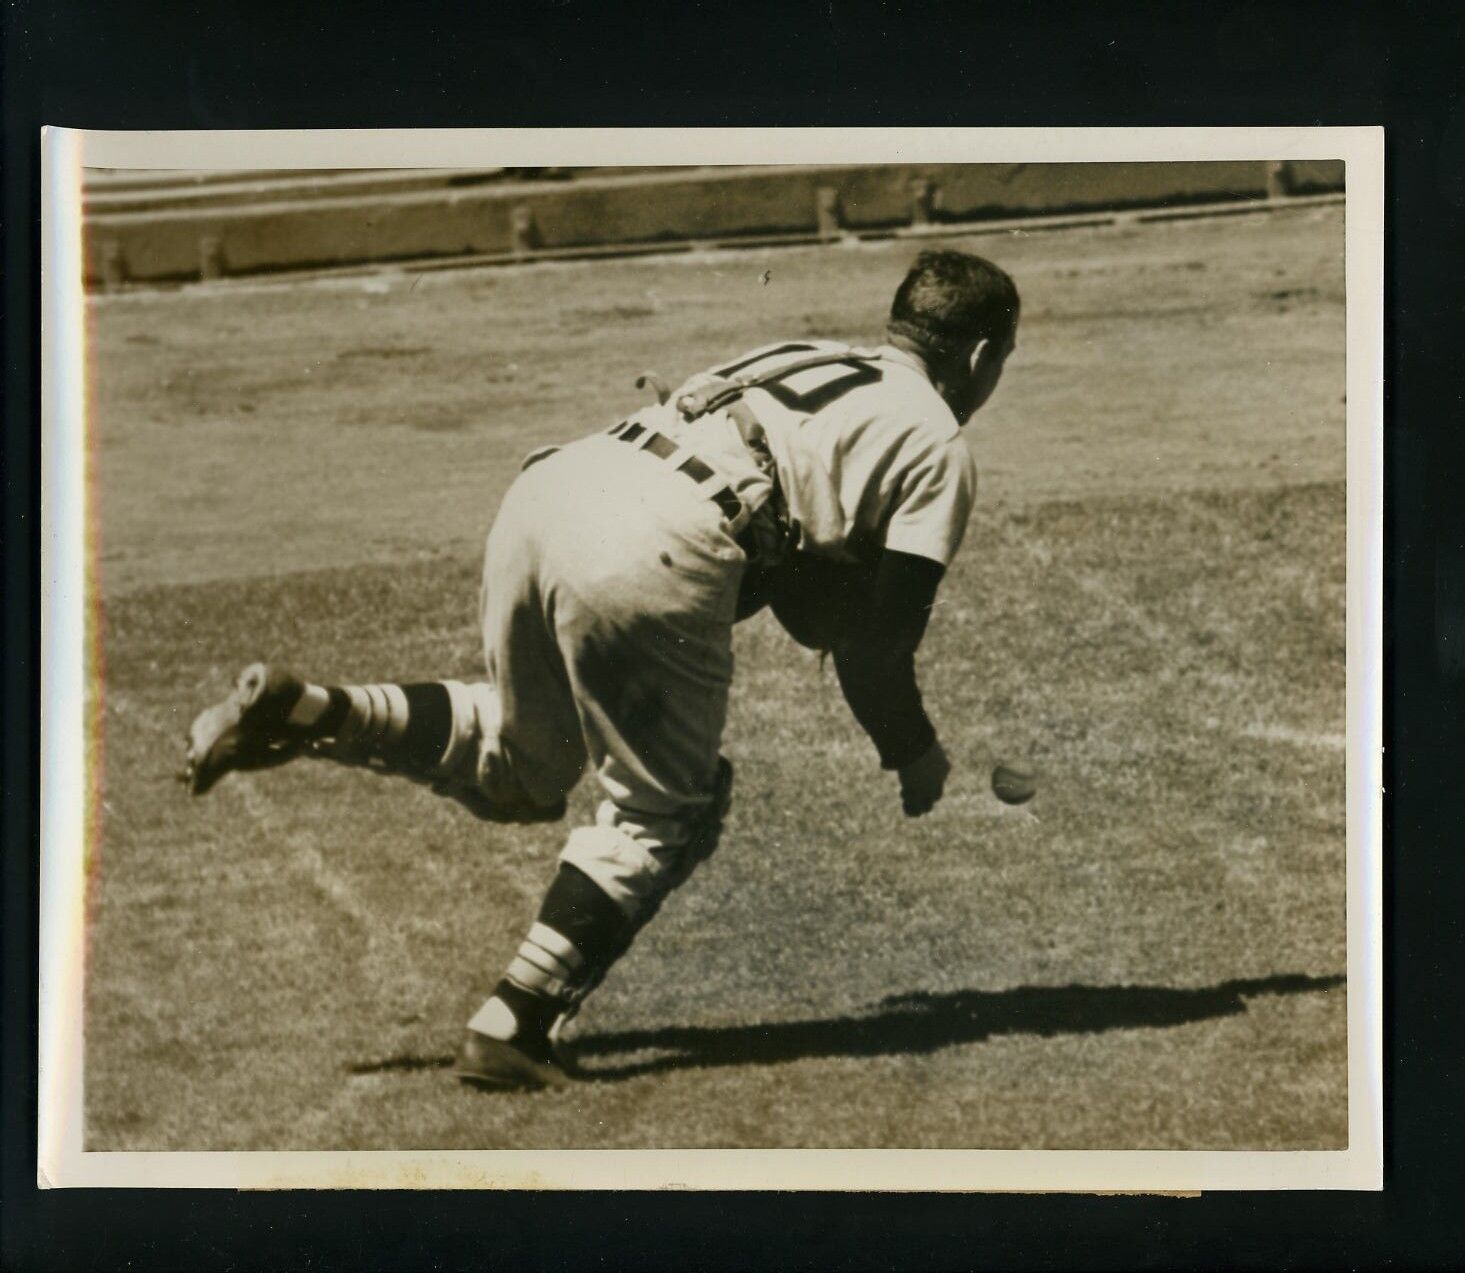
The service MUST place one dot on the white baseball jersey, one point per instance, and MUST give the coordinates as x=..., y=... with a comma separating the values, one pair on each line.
x=867, y=452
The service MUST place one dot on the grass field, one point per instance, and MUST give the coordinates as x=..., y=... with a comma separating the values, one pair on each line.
x=1150, y=605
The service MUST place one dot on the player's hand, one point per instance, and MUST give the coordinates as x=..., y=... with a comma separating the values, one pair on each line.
x=923, y=780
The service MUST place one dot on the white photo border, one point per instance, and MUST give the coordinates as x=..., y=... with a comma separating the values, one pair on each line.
x=62, y=1161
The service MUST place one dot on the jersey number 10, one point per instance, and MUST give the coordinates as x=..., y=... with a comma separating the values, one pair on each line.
x=836, y=377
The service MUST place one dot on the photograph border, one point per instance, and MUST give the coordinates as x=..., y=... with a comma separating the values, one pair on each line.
x=65, y=532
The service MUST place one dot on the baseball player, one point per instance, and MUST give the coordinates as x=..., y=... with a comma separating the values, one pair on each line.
x=828, y=482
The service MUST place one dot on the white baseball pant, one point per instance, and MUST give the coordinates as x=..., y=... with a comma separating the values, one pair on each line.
x=609, y=593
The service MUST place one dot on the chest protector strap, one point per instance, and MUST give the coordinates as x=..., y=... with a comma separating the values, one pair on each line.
x=773, y=532
x=718, y=392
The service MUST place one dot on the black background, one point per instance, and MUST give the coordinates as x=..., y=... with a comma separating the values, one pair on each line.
x=130, y=66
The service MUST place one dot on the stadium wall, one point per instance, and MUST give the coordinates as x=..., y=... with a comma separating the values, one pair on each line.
x=329, y=222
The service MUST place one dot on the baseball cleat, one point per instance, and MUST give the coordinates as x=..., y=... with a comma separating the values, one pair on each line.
x=492, y=1063
x=249, y=729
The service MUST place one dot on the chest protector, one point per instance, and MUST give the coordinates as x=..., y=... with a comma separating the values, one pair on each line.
x=773, y=532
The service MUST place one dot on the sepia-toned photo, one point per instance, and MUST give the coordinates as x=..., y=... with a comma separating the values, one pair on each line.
x=720, y=656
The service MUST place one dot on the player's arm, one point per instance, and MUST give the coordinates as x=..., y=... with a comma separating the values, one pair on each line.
x=876, y=665
x=872, y=617
x=875, y=659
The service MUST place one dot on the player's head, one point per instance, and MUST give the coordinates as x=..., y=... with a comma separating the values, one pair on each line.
x=959, y=312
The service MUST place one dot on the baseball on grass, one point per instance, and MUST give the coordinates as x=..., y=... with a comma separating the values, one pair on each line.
x=1014, y=782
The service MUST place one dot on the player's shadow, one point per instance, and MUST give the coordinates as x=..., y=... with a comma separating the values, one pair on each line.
x=924, y=1022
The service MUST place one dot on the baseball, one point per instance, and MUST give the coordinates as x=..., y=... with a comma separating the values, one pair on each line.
x=1014, y=783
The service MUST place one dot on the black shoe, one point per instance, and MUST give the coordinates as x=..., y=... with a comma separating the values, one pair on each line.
x=249, y=729
x=493, y=1063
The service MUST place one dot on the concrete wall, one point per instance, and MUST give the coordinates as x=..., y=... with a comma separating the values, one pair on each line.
x=343, y=225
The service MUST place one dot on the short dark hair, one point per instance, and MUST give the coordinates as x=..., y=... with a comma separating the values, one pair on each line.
x=949, y=299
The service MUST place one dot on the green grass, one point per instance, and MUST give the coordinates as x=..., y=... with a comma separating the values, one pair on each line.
x=1148, y=956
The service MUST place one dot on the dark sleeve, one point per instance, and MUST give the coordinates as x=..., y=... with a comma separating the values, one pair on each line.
x=876, y=659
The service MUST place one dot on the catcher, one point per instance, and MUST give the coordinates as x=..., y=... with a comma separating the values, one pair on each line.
x=827, y=482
